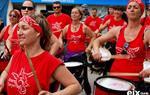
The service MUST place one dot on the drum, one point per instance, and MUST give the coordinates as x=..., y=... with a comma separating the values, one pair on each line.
x=77, y=69
x=112, y=86
x=146, y=65
x=3, y=62
x=105, y=53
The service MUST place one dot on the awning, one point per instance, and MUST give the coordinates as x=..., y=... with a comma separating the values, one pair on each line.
x=3, y=10
x=89, y=2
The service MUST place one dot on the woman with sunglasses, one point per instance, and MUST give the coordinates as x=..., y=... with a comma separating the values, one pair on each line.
x=34, y=35
x=14, y=16
x=131, y=40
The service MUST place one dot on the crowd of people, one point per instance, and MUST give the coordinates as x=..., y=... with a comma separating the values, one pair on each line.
x=36, y=48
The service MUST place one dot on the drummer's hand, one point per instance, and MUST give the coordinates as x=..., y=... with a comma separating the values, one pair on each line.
x=5, y=56
x=145, y=73
x=88, y=50
x=1, y=86
x=43, y=92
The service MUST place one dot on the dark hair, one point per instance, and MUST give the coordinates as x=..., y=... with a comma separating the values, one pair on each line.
x=94, y=9
x=45, y=41
x=57, y=2
x=124, y=17
x=31, y=2
x=119, y=8
x=108, y=9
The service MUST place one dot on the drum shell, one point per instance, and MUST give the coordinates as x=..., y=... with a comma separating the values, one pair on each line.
x=76, y=71
x=100, y=90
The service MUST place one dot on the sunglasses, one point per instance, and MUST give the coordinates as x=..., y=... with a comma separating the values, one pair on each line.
x=28, y=8
x=12, y=15
x=125, y=47
x=57, y=7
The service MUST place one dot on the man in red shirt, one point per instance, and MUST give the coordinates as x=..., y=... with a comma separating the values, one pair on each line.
x=58, y=20
x=93, y=21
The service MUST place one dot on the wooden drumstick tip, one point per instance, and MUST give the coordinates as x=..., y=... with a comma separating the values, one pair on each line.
x=122, y=74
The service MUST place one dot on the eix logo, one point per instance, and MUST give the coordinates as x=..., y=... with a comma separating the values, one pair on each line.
x=134, y=92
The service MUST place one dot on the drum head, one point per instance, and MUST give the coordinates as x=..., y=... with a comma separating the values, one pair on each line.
x=146, y=65
x=106, y=55
x=73, y=64
x=114, y=84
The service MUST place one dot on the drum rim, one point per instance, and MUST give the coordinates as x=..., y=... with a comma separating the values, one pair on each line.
x=112, y=90
x=73, y=62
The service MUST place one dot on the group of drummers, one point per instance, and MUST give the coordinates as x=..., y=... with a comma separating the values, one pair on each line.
x=121, y=53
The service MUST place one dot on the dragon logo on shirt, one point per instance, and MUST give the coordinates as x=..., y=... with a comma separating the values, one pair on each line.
x=130, y=51
x=56, y=25
x=75, y=39
x=93, y=23
x=20, y=80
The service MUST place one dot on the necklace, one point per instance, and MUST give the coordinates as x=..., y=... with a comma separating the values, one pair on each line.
x=75, y=27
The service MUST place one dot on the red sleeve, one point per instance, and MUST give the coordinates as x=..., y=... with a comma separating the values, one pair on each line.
x=69, y=19
x=54, y=63
x=86, y=21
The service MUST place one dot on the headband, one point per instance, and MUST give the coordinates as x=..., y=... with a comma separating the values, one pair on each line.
x=29, y=20
x=141, y=4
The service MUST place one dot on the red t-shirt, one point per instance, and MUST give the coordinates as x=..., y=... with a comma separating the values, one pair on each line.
x=145, y=21
x=136, y=49
x=93, y=23
x=58, y=22
x=107, y=17
x=20, y=80
x=114, y=23
x=75, y=40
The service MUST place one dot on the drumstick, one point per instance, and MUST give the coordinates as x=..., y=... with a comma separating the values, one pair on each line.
x=107, y=55
x=33, y=71
x=120, y=56
x=122, y=74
